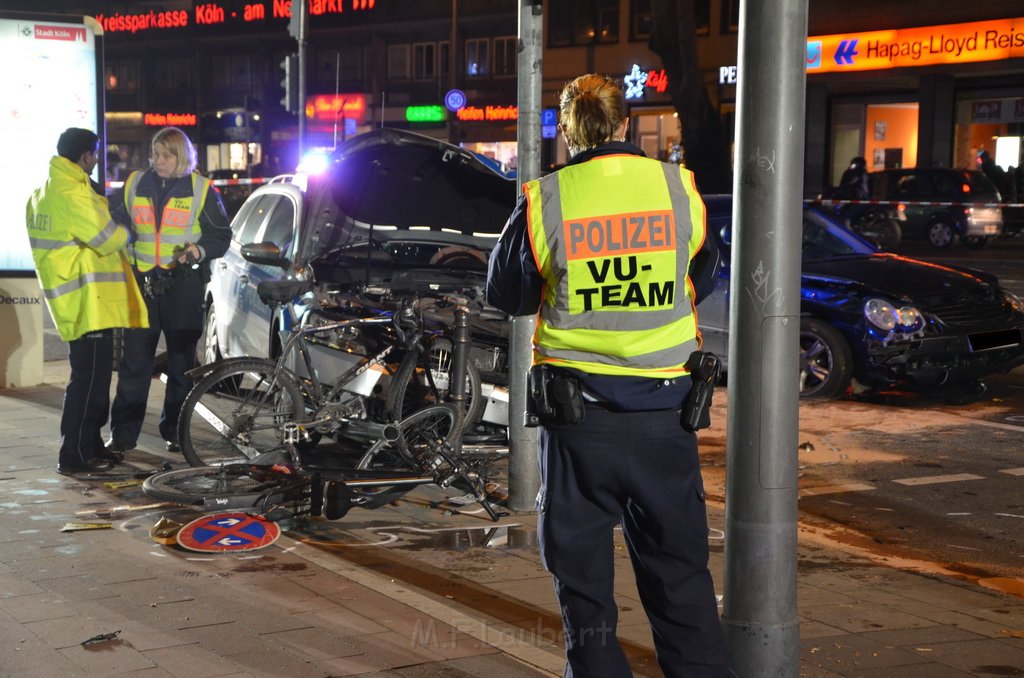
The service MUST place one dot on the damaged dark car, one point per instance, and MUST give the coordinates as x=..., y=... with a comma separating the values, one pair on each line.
x=874, y=320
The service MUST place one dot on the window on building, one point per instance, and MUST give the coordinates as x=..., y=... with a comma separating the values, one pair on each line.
x=702, y=16
x=443, y=64
x=424, y=61
x=333, y=65
x=175, y=73
x=478, y=57
x=731, y=16
x=640, y=18
x=505, y=55
x=122, y=76
x=231, y=71
x=583, y=22
x=398, y=62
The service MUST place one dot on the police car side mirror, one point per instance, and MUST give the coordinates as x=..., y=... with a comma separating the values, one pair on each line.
x=265, y=253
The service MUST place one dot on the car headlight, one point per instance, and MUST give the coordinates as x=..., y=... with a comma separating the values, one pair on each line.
x=1014, y=301
x=885, y=316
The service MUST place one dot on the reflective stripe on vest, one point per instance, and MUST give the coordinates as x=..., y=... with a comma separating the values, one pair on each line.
x=179, y=222
x=613, y=238
x=83, y=280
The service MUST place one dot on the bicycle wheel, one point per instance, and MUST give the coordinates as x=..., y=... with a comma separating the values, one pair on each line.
x=410, y=389
x=236, y=411
x=216, y=488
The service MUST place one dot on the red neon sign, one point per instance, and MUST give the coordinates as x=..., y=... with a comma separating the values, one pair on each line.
x=331, y=107
x=222, y=12
x=165, y=119
x=477, y=114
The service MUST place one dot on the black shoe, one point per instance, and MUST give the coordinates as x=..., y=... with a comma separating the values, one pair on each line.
x=91, y=466
x=172, y=446
x=112, y=453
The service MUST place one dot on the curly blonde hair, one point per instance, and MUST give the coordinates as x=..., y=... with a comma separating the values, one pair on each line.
x=591, y=107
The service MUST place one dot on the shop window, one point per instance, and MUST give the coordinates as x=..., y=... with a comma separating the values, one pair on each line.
x=478, y=57
x=505, y=56
x=398, y=62
x=424, y=61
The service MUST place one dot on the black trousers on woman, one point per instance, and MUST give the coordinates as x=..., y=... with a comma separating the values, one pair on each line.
x=640, y=470
x=177, y=313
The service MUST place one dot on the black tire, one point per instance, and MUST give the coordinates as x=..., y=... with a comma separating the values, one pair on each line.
x=826, y=362
x=410, y=390
x=208, y=349
x=236, y=411
x=941, y=234
x=219, y=488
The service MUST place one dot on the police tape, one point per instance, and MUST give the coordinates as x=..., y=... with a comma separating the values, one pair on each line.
x=244, y=181
x=915, y=203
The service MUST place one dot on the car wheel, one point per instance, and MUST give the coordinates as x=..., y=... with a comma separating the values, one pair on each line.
x=975, y=242
x=208, y=350
x=826, y=363
x=940, y=235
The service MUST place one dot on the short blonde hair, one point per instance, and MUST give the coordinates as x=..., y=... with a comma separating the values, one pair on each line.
x=178, y=143
x=591, y=109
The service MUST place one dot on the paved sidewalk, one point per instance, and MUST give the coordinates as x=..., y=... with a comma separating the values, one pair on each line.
x=420, y=588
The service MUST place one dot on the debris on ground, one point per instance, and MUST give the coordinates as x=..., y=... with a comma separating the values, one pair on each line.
x=77, y=527
x=165, y=531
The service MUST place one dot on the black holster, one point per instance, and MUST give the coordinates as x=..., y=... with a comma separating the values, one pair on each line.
x=704, y=371
x=553, y=396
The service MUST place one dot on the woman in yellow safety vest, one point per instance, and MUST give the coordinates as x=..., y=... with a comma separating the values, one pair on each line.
x=610, y=253
x=179, y=225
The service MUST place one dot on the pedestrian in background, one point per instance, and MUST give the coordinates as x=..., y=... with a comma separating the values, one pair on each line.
x=179, y=224
x=89, y=288
x=606, y=249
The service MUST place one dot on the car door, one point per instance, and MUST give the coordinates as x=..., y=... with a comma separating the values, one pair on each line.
x=233, y=296
x=713, y=311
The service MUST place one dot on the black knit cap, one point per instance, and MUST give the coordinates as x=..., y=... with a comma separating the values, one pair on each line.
x=75, y=141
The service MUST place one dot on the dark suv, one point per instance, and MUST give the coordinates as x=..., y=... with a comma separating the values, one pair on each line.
x=941, y=204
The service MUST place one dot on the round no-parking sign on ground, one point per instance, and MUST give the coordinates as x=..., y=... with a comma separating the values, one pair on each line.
x=220, y=532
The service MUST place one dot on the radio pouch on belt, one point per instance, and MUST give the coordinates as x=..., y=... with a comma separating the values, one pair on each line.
x=704, y=370
x=553, y=397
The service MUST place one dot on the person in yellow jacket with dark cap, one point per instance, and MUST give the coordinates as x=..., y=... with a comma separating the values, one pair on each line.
x=81, y=263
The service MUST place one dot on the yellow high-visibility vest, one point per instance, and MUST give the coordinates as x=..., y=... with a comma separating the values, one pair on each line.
x=79, y=254
x=612, y=238
x=179, y=222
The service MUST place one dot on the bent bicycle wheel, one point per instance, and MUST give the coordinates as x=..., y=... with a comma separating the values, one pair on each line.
x=237, y=411
x=218, y=488
x=410, y=390
x=416, y=448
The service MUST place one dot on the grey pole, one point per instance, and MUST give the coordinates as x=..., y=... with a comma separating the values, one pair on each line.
x=523, y=476
x=760, y=615
x=303, y=8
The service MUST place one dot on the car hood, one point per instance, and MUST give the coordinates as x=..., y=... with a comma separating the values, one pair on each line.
x=890, y=274
x=393, y=177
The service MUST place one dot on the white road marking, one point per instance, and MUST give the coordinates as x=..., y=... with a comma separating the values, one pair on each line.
x=1009, y=515
x=931, y=480
x=835, y=489
x=1013, y=471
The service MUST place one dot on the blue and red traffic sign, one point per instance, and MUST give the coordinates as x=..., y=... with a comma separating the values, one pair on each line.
x=220, y=532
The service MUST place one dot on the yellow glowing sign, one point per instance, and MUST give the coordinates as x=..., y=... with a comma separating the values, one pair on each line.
x=929, y=45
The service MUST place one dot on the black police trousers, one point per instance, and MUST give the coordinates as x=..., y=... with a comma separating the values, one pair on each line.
x=639, y=469
x=86, y=398
x=178, y=314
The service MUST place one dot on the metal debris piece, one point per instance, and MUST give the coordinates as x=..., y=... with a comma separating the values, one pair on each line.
x=101, y=638
x=165, y=531
x=77, y=527
x=118, y=484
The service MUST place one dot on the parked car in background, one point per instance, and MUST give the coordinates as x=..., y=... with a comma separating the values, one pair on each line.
x=941, y=205
x=389, y=198
x=877, y=319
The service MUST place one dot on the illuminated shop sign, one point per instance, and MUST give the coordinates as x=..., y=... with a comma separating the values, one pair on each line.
x=487, y=113
x=331, y=107
x=165, y=119
x=929, y=45
x=994, y=40
x=638, y=81
x=222, y=12
x=425, y=114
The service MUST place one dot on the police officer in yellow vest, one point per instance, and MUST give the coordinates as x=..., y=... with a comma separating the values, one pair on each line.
x=89, y=288
x=611, y=251
x=179, y=225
